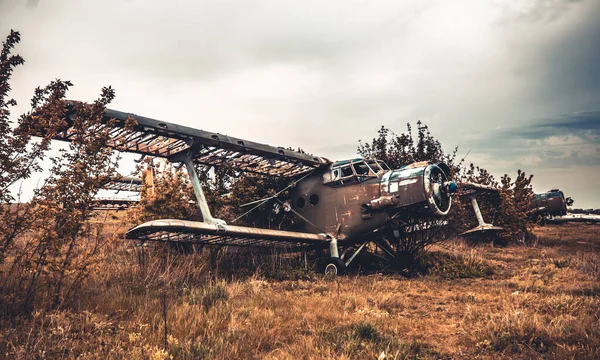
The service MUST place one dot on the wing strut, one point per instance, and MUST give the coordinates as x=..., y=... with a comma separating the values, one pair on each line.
x=207, y=217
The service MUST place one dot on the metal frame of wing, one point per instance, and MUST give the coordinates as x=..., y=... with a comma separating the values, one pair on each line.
x=197, y=149
x=183, y=231
x=163, y=139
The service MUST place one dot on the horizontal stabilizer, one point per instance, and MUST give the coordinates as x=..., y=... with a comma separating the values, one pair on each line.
x=483, y=228
x=469, y=188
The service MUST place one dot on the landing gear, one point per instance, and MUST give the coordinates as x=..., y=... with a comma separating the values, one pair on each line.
x=334, y=267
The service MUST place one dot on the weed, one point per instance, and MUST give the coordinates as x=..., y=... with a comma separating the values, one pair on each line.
x=417, y=350
x=561, y=263
x=588, y=263
x=449, y=266
x=208, y=295
x=366, y=331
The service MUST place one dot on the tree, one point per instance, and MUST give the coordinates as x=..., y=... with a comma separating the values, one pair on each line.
x=51, y=244
x=166, y=193
x=65, y=243
x=515, y=199
x=398, y=150
x=19, y=156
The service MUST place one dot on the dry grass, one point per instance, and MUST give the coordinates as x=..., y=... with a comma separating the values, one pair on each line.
x=483, y=302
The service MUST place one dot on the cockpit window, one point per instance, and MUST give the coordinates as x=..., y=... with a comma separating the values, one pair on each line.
x=353, y=171
x=383, y=165
x=374, y=166
x=362, y=169
x=347, y=171
x=377, y=166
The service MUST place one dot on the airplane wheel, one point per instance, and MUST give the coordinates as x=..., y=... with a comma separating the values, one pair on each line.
x=335, y=267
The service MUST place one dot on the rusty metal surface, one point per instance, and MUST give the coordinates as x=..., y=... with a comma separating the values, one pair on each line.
x=337, y=210
x=163, y=139
x=212, y=234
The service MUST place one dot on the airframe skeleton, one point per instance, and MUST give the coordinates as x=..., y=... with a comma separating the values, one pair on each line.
x=344, y=205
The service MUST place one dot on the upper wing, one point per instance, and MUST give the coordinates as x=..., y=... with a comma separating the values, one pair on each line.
x=163, y=139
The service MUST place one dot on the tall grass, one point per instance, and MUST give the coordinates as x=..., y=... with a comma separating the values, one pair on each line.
x=514, y=302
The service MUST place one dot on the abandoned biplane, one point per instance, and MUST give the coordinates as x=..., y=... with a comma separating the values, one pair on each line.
x=344, y=205
x=549, y=204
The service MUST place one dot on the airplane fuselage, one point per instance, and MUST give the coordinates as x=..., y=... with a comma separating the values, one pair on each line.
x=551, y=203
x=347, y=202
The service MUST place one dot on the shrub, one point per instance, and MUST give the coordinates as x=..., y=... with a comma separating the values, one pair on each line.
x=366, y=331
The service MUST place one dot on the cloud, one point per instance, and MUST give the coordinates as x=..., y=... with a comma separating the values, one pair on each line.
x=489, y=77
x=584, y=124
x=557, y=50
x=538, y=10
x=530, y=160
x=564, y=140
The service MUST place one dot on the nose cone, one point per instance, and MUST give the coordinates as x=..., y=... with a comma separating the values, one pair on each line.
x=437, y=190
x=451, y=187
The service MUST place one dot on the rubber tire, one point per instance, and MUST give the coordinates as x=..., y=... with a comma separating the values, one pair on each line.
x=340, y=266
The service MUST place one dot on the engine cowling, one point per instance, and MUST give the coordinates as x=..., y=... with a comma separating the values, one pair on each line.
x=438, y=189
x=415, y=185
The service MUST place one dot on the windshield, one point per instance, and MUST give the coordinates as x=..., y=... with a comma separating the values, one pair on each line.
x=362, y=169
x=353, y=171
x=381, y=164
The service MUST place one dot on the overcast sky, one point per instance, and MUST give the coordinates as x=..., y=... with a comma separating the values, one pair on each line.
x=515, y=82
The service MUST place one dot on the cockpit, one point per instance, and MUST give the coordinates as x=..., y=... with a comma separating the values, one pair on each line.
x=354, y=171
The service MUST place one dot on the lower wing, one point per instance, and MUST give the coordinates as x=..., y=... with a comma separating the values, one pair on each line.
x=183, y=231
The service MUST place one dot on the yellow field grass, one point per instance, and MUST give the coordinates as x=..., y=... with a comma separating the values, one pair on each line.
x=472, y=302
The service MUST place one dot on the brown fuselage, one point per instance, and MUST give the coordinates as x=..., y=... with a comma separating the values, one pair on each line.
x=350, y=210
x=551, y=203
